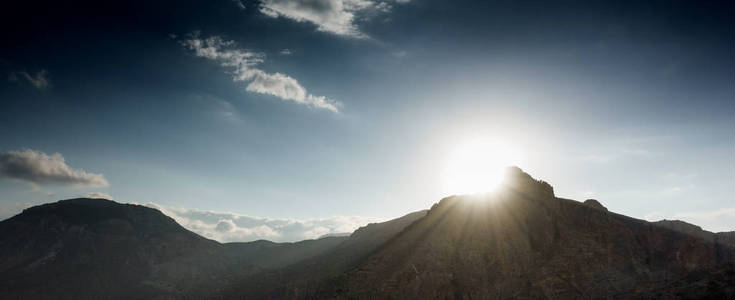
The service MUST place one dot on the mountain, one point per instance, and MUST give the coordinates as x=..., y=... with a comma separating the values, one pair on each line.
x=266, y=254
x=304, y=278
x=727, y=238
x=520, y=241
x=95, y=249
x=100, y=249
x=523, y=242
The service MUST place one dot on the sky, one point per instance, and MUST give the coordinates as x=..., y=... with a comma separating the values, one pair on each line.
x=290, y=119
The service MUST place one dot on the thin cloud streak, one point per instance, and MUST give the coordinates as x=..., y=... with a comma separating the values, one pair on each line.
x=99, y=195
x=40, y=80
x=244, y=63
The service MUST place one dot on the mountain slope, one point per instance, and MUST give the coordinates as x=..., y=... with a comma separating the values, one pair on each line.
x=523, y=242
x=100, y=249
x=266, y=254
x=307, y=277
x=93, y=248
x=727, y=238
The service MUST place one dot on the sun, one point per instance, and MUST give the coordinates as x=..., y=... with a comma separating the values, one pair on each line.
x=478, y=166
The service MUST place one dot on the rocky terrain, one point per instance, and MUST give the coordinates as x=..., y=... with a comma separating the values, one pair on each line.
x=523, y=242
x=520, y=241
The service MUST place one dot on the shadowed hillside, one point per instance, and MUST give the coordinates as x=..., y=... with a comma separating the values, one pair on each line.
x=523, y=242
x=93, y=248
x=100, y=249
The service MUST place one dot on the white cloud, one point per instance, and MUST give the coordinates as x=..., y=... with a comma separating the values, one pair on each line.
x=285, y=52
x=37, y=167
x=244, y=63
x=239, y=4
x=335, y=16
x=39, y=80
x=99, y=195
x=232, y=227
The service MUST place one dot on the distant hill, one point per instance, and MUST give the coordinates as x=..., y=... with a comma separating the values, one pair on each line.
x=727, y=238
x=339, y=234
x=303, y=279
x=520, y=241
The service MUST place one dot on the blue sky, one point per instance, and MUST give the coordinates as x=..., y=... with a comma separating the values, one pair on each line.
x=316, y=110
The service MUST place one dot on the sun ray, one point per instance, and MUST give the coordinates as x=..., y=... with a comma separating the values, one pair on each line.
x=478, y=166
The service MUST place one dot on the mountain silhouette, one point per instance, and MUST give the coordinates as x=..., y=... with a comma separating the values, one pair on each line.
x=523, y=242
x=100, y=249
x=93, y=248
x=519, y=241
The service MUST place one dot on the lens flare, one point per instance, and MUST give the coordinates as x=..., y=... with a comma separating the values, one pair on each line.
x=478, y=166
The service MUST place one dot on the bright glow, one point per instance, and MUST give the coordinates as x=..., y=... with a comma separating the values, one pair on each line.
x=478, y=166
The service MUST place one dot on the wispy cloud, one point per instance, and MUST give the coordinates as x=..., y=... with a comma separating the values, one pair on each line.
x=36, y=167
x=221, y=108
x=99, y=195
x=244, y=62
x=232, y=227
x=40, y=80
x=618, y=154
x=334, y=16
x=239, y=4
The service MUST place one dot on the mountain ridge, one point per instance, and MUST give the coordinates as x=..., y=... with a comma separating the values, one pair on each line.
x=520, y=241
x=523, y=242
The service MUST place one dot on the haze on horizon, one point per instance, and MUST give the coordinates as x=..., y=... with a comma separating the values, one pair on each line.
x=291, y=119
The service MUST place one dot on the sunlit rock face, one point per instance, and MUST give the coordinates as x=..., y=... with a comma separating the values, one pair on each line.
x=522, y=242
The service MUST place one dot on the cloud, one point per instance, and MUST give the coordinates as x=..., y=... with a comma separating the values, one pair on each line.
x=285, y=52
x=244, y=63
x=39, y=81
x=232, y=227
x=99, y=195
x=37, y=189
x=36, y=167
x=334, y=16
x=239, y=4
x=221, y=108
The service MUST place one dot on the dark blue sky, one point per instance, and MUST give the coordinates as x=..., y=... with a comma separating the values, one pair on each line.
x=315, y=108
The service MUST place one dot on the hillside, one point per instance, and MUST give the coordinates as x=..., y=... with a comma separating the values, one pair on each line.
x=303, y=279
x=92, y=248
x=523, y=242
x=100, y=249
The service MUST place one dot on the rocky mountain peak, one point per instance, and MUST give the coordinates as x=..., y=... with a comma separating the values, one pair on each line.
x=595, y=204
